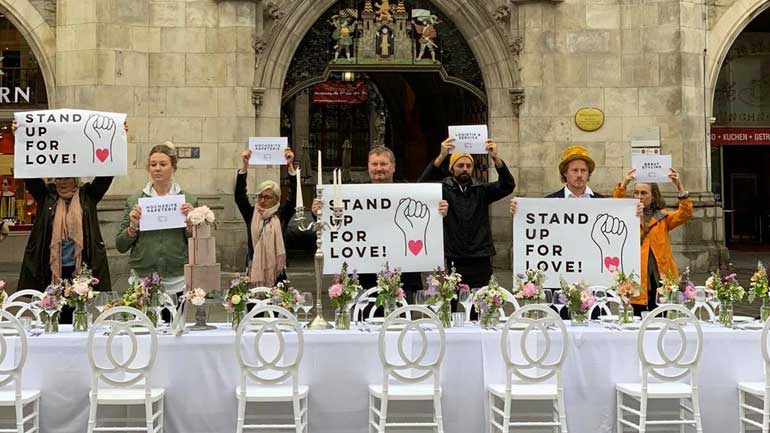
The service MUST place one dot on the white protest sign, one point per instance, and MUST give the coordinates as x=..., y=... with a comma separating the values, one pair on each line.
x=651, y=168
x=576, y=239
x=267, y=150
x=394, y=223
x=163, y=212
x=469, y=138
x=67, y=143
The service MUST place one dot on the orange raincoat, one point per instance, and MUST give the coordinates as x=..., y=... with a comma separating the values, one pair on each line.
x=657, y=239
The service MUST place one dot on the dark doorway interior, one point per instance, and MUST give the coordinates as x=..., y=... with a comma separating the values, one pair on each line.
x=747, y=196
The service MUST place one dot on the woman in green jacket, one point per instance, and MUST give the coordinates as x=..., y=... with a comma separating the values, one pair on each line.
x=161, y=251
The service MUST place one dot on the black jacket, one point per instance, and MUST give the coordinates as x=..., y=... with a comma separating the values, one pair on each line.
x=36, y=268
x=285, y=211
x=467, y=232
x=560, y=194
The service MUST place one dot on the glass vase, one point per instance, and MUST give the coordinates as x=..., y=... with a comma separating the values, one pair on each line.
x=726, y=314
x=390, y=306
x=578, y=318
x=490, y=319
x=626, y=314
x=236, y=317
x=80, y=319
x=50, y=321
x=445, y=315
x=342, y=318
x=764, y=310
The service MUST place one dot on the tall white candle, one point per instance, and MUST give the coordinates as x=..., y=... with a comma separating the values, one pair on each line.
x=320, y=170
x=299, y=189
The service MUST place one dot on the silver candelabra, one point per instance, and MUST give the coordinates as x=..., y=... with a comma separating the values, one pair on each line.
x=319, y=225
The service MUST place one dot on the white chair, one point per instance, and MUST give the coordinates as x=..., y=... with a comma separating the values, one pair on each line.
x=20, y=309
x=665, y=371
x=370, y=295
x=128, y=378
x=26, y=296
x=701, y=303
x=271, y=375
x=17, y=397
x=758, y=390
x=604, y=298
x=409, y=370
x=533, y=374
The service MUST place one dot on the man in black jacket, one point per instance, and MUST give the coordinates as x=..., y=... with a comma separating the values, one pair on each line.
x=468, y=242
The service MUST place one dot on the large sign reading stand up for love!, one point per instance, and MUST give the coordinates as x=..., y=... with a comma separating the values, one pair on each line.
x=576, y=239
x=70, y=143
x=394, y=223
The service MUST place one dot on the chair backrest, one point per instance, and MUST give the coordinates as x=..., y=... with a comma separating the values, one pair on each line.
x=604, y=297
x=268, y=300
x=421, y=367
x=28, y=296
x=700, y=302
x=540, y=365
x=11, y=327
x=20, y=309
x=280, y=367
x=122, y=323
x=658, y=363
x=370, y=296
x=766, y=351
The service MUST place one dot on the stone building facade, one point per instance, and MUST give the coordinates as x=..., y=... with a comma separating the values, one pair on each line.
x=210, y=73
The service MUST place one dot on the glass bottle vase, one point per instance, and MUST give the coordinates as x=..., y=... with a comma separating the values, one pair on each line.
x=80, y=319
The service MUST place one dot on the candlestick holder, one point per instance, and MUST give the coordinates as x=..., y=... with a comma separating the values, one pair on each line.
x=319, y=226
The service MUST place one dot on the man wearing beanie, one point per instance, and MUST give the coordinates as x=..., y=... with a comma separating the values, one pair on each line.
x=467, y=234
x=576, y=168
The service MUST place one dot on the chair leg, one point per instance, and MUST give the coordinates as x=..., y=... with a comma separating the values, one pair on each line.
x=696, y=411
x=307, y=415
x=36, y=423
x=437, y=414
x=160, y=415
x=766, y=414
x=383, y=413
x=506, y=413
x=371, y=413
x=619, y=414
x=241, y=414
x=297, y=414
x=562, y=411
x=491, y=405
x=682, y=415
x=92, y=413
x=741, y=412
x=19, y=416
x=148, y=412
x=643, y=414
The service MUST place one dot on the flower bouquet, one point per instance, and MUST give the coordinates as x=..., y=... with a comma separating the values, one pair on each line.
x=626, y=286
x=488, y=302
x=201, y=219
x=236, y=298
x=725, y=287
x=389, y=283
x=528, y=288
x=579, y=300
x=198, y=298
x=78, y=293
x=760, y=288
x=155, y=297
x=442, y=288
x=51, y=304
x=341, y=295
x=3, y=295
x=286, y=296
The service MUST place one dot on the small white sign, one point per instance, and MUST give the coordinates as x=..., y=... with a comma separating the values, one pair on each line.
x=267, y=150
x=651, y=168
x=160, y=213
x=66, y=143
x=469, y=138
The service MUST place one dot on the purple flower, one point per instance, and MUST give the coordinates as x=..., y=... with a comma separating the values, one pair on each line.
x=354, y=277
x=484, y=306
x=562, y=298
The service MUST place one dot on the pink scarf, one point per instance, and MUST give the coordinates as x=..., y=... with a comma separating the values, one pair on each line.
x=67, y=224
x=269, y=253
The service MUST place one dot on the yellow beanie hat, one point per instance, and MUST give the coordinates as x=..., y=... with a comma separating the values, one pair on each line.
x=455, y=156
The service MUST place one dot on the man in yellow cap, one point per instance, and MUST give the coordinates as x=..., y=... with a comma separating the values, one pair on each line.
x=576, y=168
x=468, y=242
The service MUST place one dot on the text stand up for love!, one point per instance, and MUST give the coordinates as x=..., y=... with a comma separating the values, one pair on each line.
x=67, y=143
x=576, y=239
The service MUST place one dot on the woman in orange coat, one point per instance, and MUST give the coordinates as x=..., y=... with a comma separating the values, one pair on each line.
x=656, y=222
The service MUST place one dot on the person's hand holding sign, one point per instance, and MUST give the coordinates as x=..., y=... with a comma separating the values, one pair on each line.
x=100, y=131
x=609, y=233
x=134, y=216
x=412, y=218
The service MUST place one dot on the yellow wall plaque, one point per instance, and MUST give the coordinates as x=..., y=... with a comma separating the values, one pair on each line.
x=589, y=119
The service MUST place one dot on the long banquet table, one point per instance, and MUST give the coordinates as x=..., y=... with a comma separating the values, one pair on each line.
x=199, y=372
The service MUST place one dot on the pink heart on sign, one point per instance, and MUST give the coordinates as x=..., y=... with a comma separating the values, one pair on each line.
x=611, y=263
x=102, y=154
x=415, y=247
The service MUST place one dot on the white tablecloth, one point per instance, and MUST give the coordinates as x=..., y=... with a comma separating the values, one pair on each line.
x=199, y=372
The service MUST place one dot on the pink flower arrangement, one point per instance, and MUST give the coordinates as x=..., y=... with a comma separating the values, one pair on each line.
x=335, y=290
x=529, y=290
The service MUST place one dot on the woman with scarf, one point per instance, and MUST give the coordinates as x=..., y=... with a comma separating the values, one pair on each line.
x=267, y=222
x=161, y=251
x=656, y=222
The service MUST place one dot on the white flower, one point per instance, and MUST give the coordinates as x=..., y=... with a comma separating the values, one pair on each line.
x=81, y=288
x=200, y=214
